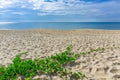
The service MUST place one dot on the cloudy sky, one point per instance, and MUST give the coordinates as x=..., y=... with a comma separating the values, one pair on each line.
x=60, y=10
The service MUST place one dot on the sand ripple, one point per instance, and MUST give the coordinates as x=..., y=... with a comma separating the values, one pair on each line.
x=41, y=43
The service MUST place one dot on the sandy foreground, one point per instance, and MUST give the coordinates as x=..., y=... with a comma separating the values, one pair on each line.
x=41, y=43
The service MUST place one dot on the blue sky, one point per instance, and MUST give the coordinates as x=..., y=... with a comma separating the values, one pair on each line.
x=60, y=10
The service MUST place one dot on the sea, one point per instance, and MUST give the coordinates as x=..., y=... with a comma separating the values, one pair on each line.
x=59, y=25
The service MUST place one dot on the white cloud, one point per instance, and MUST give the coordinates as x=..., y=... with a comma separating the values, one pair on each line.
x=19, y=13
x=4, y=11
x=4, y=3
x=64, y=7
x=46, y=6
x=12, y=3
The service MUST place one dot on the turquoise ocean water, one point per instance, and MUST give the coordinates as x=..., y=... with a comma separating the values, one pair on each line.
x=60, y=25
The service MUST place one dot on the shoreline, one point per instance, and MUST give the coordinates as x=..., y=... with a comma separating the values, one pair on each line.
x=59, y=29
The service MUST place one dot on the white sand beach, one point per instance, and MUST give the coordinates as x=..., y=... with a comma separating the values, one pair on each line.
x=42, y=42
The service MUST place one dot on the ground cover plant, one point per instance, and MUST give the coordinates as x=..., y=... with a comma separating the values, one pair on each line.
x=50, y=66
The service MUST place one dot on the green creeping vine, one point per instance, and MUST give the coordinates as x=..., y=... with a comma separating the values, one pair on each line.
x=53, y=65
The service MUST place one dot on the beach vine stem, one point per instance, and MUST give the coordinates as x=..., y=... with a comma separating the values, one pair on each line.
x=52, y=65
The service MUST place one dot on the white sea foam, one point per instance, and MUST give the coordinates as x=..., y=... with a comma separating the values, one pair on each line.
x=5, y=29
x=7, y=22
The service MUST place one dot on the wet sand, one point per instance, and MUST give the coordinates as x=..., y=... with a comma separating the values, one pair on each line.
x=42, y=42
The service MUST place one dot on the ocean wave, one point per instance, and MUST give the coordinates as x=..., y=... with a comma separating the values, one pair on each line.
x=5, y=29
x=7, y=22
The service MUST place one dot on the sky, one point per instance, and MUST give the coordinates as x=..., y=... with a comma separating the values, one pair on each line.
x=60, y=10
